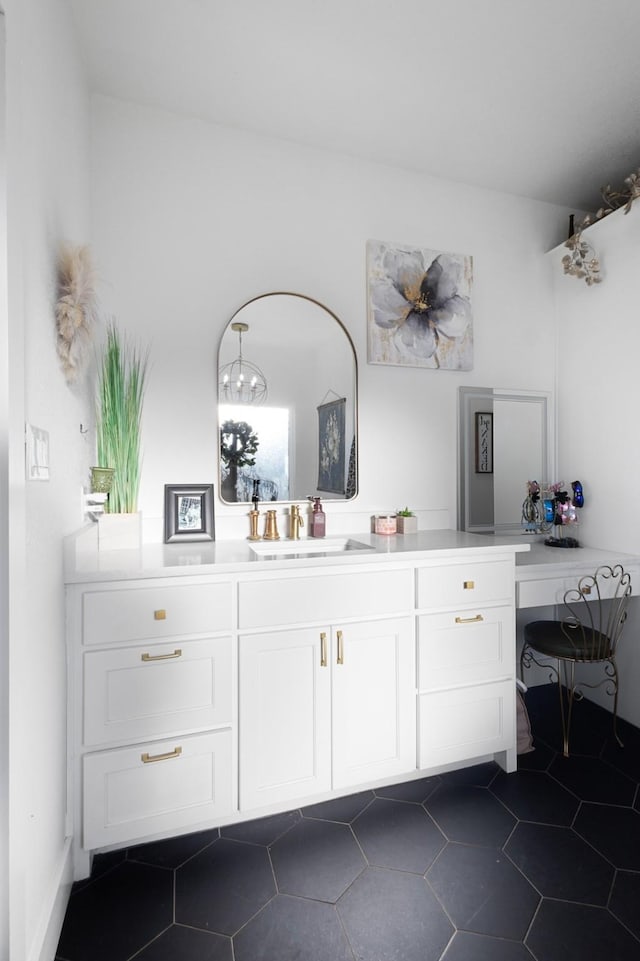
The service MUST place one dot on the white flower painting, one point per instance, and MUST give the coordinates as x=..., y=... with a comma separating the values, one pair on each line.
x=419, y=307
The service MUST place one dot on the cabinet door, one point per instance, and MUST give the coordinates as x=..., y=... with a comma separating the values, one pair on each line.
x=285, y=722
x=374, y=717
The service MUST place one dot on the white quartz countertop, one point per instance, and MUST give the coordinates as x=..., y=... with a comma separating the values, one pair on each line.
x=85, y=563
x=538, y=561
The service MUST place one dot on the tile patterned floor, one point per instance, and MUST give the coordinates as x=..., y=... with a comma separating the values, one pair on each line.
x=477, y=865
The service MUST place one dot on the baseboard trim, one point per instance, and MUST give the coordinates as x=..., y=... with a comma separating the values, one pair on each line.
x=47, y=936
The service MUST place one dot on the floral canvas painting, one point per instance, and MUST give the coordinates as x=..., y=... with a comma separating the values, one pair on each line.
x=419, y=307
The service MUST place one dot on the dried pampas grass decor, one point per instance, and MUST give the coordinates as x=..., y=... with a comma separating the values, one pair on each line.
x=75, y=309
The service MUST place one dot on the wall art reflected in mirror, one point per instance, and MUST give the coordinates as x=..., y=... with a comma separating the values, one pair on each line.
x=287, y=402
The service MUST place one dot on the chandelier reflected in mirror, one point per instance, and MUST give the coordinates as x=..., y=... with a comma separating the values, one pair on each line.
x=241, y=382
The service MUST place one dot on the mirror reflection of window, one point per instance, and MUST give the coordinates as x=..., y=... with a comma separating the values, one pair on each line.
x=272, y=458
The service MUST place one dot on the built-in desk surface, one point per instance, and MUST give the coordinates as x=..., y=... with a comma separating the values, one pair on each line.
x=543, y=574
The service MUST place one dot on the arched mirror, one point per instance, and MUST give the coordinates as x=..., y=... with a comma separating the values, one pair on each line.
x=287, y=402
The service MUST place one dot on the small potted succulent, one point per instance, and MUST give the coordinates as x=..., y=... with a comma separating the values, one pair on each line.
x=406, y=521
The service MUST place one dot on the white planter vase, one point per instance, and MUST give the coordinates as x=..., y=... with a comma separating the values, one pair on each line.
x=406, y=525
x=118, y=532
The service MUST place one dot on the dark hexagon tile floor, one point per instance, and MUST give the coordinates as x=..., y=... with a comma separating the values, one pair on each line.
x=290, y=929
x=478, y=947
x=613, y=831
x=399, y=835
x=394, y=915
x=470, y=865
x=343, y=809
x=181, y=942
x=173, y=852
x=471, y=815
x=102, y=923
x=417, y=791
x=534, y=796
x=483, y=892
x=223, y=886
x=592, y=779
x=262, y=830
x=625, y=900
x=560, y=864
x=562, y=931
x=317, y=859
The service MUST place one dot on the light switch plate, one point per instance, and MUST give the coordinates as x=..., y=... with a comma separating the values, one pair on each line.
x=37, y=453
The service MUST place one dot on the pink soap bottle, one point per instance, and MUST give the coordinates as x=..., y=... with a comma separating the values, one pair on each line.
x=318, y=525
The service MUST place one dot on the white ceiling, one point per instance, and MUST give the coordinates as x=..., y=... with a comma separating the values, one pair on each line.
x=539, y=98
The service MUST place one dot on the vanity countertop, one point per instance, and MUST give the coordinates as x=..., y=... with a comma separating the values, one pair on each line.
x=540, y=560
x=85, y=563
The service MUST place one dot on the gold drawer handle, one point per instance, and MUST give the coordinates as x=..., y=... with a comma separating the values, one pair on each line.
x=150, y=758
x=161, y=657
x=340, y=658
x=469, y=585
x=160, y=615
x=469, y=620
x=323, y=650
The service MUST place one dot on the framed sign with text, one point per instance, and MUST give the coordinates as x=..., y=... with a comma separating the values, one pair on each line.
x=484, y=442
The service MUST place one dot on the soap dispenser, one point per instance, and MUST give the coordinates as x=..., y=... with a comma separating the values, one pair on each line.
x=318, y=523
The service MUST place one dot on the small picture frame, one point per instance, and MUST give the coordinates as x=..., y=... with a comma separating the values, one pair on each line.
x=188, y=512
x=484, y=442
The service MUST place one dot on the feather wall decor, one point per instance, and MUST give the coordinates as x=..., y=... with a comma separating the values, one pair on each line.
x=75, y=309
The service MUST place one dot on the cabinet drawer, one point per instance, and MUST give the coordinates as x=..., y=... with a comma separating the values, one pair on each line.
x=461, y=584
x=140, y=692
x=326, y=598
x=466, y=647
x=465, y=723
x=180, y=782
x=156, y=612
x=545, y=592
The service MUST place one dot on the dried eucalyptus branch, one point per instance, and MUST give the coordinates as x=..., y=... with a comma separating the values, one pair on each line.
x=582, y=261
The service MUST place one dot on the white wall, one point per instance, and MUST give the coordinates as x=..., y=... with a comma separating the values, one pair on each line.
x=4, y=519
x=47, y=183
x=598, y=443
x=190, y=220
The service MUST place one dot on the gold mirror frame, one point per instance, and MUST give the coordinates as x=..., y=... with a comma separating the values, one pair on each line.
x=310, y=364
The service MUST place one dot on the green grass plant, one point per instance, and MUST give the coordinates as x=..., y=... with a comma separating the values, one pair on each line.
x=121, y=384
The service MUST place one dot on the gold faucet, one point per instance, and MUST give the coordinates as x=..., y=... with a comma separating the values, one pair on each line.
x=271, y=527
x=295, y=522
x=253, y=524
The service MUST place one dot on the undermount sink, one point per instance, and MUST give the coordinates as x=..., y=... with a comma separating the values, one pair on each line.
x=310, y=546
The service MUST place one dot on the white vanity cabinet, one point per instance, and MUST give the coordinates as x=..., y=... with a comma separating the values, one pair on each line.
x=200, y=698
x=325, y=707
x=152, y=736
x=466, y=662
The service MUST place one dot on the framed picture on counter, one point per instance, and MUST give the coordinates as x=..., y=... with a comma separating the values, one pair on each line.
x=188, y=512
